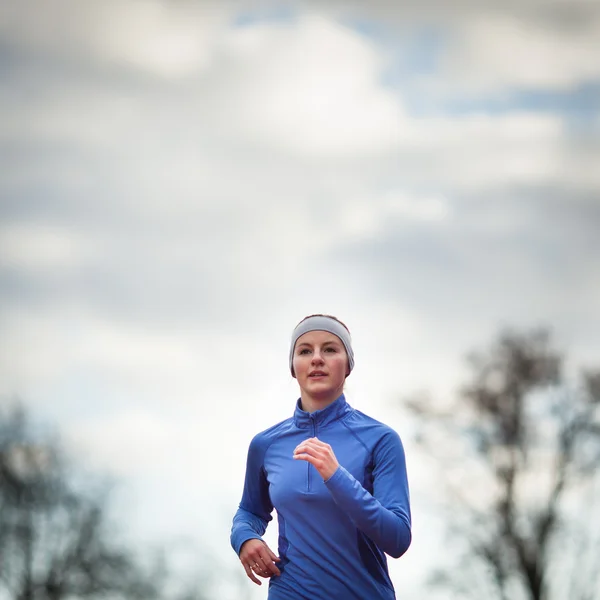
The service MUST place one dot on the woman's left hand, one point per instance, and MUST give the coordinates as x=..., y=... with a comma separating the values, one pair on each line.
x=319, y=454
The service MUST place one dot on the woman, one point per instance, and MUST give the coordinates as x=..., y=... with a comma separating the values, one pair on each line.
x=337, y=479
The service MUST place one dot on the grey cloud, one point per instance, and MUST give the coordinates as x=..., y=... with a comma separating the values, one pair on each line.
x=521, y=255
x=559, y=12
x=166, y=252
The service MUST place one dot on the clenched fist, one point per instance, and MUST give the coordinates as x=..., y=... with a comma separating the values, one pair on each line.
x=319, y=454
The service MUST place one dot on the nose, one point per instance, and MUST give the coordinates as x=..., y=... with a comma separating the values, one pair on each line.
x=317, y=359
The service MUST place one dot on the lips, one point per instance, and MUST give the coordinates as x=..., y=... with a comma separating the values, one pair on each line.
x=317, y=374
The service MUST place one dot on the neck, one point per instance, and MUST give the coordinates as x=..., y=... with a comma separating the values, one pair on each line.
x=311, y=403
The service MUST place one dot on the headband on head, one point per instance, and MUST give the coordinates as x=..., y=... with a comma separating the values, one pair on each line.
x=321, y=323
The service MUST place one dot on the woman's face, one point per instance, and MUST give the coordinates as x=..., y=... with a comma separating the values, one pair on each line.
x=320, y=364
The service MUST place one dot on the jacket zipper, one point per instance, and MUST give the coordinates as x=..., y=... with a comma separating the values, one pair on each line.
x=308, y=465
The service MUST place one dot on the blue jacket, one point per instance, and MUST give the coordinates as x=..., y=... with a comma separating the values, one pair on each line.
x=334, y=534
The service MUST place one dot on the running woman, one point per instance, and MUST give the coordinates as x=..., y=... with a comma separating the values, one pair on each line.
x=337, y=479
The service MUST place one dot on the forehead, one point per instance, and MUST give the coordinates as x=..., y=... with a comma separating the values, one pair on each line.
x=313, y=338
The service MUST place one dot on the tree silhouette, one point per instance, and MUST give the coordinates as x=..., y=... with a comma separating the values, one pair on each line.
x=56, y=541
x=519, y=450
x=54, y=537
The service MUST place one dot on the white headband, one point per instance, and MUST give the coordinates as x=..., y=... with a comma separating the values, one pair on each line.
x=319, y=323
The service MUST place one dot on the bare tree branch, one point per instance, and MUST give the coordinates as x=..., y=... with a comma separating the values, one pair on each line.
x=534, y=439
x=56, y=542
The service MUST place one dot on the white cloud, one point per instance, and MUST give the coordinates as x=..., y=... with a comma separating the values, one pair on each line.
x=170, y=39
x=132, y=441
x=428, y=208
x=484, y=150
x=498, y=51
x=311, y=87
x=166, y=39
x=41, y=246
x=369, y=215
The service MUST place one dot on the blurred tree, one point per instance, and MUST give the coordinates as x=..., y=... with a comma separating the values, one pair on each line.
x=519, y=450
x=55, y=539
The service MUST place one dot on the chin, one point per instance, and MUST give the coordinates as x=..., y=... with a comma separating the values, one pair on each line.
x=324, y=393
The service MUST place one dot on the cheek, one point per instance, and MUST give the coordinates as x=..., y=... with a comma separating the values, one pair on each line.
x=299, y=365
x=341, y=366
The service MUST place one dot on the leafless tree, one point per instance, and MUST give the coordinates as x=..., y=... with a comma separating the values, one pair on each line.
x=519, y=451
x=56, y=541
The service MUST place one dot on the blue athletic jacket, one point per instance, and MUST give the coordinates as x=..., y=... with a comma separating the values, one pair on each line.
x=334, y=534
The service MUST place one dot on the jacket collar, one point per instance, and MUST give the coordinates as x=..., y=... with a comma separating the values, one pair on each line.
x=335, y=411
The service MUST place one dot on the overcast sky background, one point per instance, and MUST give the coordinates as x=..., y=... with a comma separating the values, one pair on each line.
x=182, y=182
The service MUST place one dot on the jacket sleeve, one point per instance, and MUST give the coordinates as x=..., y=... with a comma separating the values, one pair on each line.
x=383, y=516
x=254, y=512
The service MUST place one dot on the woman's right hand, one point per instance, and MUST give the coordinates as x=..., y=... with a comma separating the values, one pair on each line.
x=258, y=559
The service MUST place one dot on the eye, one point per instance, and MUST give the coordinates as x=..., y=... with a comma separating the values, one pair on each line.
x=330, y=349
x=303, y=351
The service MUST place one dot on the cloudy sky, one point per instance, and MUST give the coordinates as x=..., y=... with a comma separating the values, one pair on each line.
x=181, y=182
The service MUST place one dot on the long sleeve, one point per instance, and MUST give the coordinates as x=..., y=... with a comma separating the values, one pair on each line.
x=254, y=512
x=383, y=516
